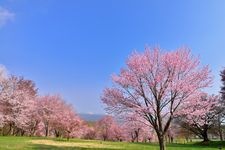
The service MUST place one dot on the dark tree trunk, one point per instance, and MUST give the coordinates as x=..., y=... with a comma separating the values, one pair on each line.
x=46, y=130
x=205, y=139
x=171, y=139
x=22, y=132
x=57, y=133
x=132, y=137
x=205, y=135
x=221, y=135
x=220, y=129
x=161, y=142
x=137, y=135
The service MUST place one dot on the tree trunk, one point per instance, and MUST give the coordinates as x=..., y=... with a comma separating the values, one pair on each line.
x=137, y=135
x=220, y=129
x=12, y=131
x=9, y=130
x=46, y=131
x=68, y=135
x=132, y=138
x=57, y=133
x=221, y=135
x=3, y=130
x=161, y=142
x=205, y=139
x=171, y=139
x=205, y=135
x=33, y=132
x=22, y=133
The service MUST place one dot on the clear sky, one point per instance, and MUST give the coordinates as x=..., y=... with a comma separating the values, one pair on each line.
x=72, y=47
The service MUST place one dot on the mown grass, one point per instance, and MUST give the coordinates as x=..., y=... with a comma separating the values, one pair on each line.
x=35, y=143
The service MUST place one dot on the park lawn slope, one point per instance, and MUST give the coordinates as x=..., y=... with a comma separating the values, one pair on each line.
x=35, y=143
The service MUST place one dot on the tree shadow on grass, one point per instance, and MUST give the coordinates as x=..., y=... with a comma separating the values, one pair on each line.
x=197, y=145
x=211, y=144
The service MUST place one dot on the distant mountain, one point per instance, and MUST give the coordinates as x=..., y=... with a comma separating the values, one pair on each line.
x=91, y=117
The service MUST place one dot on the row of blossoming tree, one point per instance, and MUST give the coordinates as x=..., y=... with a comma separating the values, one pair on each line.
x=158, y=96
x=25, y=113
x=162, y=88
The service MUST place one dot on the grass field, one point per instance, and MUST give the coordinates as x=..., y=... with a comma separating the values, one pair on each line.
x=34, y=143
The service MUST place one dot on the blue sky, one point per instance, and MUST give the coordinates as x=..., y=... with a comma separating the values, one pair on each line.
x=72, y=47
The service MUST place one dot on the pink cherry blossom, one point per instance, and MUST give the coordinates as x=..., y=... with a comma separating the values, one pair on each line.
x=200, y=113
x=154, y=84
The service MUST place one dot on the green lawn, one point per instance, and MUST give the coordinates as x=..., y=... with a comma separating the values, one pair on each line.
x=27, y=143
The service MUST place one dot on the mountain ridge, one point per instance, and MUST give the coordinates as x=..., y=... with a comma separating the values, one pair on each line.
x=91, y=117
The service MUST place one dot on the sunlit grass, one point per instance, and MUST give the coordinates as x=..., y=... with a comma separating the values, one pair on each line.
x=38, y=143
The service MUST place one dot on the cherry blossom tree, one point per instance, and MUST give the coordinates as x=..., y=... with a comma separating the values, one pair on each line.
x=68, y=121
x=133, y=128
x=108, y=129
x=17, y=97
x=3, y=77
x=46, y=110
x=200, y=114
x=154, y=85
x=34, y=119
x=137, y=129
x=221, y=118
x=57, y=116
x=104, y=127
x=222, y=91
x=28, y=100
x=88, y=132
x=23, y=113
x=172, y=132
